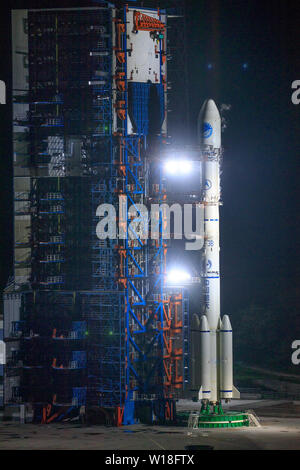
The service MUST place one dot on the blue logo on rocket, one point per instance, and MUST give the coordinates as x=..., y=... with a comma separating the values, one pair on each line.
x=208, y=264
x=207, y=130
x=207, y=185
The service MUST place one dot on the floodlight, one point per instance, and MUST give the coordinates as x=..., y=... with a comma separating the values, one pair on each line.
x=178, y=277
x=178, y=167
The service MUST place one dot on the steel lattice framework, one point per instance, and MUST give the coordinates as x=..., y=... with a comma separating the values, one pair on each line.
x=96, y=325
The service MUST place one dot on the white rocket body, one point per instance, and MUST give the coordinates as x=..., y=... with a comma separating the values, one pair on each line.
x=226, y=373
x=217, y=383
x=205, y=354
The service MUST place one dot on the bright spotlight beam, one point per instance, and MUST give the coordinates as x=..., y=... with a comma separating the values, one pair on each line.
x=178, y=167
x=178, y=277
x=185, y=166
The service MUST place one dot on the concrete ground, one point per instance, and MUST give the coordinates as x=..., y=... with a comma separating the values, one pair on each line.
x=280, y=429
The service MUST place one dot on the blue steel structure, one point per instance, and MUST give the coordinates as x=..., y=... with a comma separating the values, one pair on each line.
x=143, y=280
x=97, y=324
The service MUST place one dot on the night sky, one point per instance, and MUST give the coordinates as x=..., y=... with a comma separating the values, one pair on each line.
x=245, y=54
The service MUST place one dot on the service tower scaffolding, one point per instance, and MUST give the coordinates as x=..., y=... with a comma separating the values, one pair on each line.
x=89, y=324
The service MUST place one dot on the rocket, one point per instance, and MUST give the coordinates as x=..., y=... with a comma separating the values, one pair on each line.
x=215, y=334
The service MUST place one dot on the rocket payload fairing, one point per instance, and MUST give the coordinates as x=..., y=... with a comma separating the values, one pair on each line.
x=216, y=377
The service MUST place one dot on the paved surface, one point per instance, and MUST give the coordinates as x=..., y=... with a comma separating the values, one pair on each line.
x=280, y=429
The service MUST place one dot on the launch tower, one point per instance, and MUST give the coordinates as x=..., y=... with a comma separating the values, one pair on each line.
x=88, y=320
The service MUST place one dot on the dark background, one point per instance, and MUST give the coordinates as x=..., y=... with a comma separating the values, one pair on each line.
x=244, y=53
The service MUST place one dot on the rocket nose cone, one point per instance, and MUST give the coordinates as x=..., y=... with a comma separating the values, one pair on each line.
x=204, y=323
x=226, y=325
x=209, y=125
x=203, y=107
x=209, y=108
x=212, y=105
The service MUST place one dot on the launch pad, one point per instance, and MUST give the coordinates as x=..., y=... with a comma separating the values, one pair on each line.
x=232, y=419
x=213, y=418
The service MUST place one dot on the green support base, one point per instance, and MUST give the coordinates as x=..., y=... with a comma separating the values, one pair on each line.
x=232, y=419
x=211, y=418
